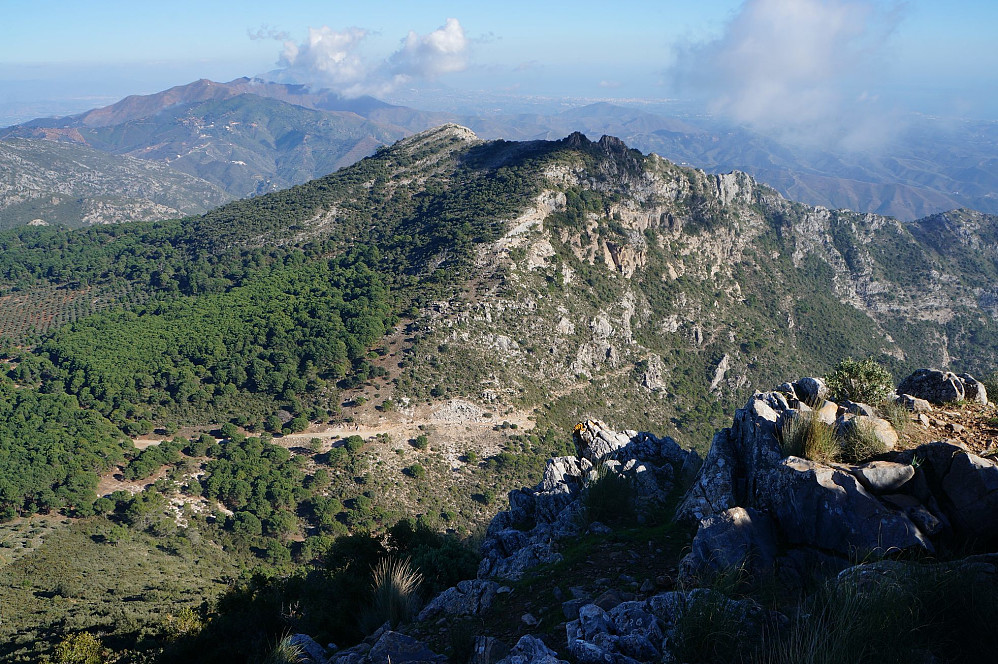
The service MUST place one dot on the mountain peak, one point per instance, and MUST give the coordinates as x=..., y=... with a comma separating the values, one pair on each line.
x=449, y=135
x=448, y=130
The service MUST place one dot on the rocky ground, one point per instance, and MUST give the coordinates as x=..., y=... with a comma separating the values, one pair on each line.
x=683, y=563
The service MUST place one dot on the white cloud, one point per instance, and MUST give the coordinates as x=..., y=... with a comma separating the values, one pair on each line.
x=443, y=51
x=333, y=59
x=267, y=32
x=798, y=68
x=327, y=55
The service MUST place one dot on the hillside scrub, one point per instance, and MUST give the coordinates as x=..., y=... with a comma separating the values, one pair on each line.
x=864, y=381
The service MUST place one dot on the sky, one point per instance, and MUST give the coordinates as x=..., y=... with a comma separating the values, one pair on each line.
x=785, y=66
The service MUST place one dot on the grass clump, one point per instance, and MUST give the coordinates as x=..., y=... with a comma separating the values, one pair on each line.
x=287, y=651
x=865, y=381
x=896, y=414
x=805, y=435
x=395, y=585
x=907, y=613
x=709, y=628
x=860, y=441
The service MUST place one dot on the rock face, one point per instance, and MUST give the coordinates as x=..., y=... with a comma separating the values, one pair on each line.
x=642, y=631
x=467, y=598
x=755, y=510
x=386, y=646
x=826, y=508
x=749, y=501
x=733, y=538
x=527, y=534
x=940, y=387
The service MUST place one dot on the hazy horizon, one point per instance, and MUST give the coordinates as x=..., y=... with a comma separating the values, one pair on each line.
x=843, y=70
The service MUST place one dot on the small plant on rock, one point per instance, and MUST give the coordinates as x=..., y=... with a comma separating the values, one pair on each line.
x=865, y=381
x=896, y=414
x=805, y=435
x=287, y=651
x=395, y=583
x=860, y=442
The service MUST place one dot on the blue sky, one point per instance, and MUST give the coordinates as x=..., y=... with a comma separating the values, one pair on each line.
x=756, y=61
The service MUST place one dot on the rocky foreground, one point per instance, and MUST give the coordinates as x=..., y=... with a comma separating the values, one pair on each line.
x=755, y=510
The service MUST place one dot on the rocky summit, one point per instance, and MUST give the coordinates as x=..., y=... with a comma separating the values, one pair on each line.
x=910, y=513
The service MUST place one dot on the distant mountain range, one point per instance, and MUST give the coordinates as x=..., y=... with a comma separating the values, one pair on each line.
x=248, y=137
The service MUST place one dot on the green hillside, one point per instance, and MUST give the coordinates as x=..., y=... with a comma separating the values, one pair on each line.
x=459, y=304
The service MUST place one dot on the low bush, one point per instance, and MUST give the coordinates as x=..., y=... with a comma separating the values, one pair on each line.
x=865, y=381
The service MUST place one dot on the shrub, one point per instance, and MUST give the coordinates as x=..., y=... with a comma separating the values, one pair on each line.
x=805, y=435
x=421, y=442
x=81, y=648
x=864, y=380
x=416, y=471
x=353, y=444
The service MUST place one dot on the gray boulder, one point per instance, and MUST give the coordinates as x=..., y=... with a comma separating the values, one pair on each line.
x=314, y=653
x=881, y=477
x=858, y=408
x=467, y=598
x=737, y=455
x=595, y=441
x=735, y=538
x=970, y=487
x=811, y=389
x=531, y=650
x=974, y=390
x=934, y=386
x=914, y=404
x=827, y=508
x=398, y=648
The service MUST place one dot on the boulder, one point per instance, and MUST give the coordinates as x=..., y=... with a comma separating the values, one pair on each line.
x=595, y=441
x=736, y=456
x=735, y=538
x=827, y=508
x=397, y=648
x=857, y=408
x=531, y=650
x=934, y=386
x=881, y=477
x=973, y=389
x=914, y=404
x=922, y=517
x=970, y=488
x=314, y=652
x=811, y=389
x=467, y=598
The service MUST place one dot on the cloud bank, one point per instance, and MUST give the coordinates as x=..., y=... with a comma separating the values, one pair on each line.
x=805, y=70
x=334, y=59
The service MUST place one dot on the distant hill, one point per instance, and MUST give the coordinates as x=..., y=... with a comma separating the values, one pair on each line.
x=46, y=182
x=250, y=136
